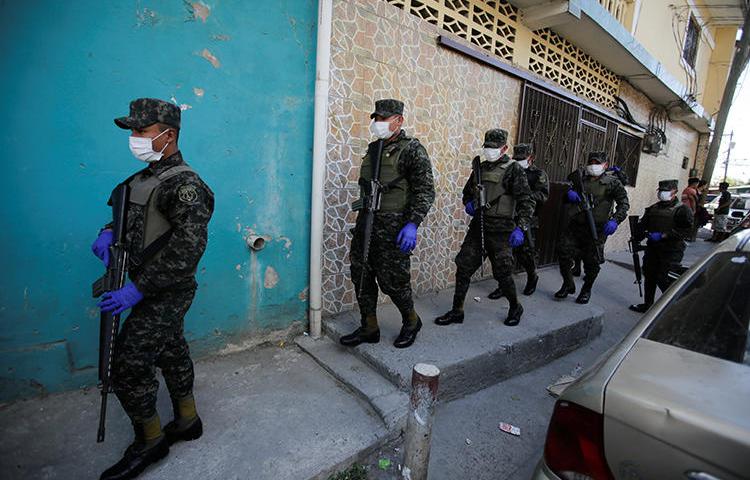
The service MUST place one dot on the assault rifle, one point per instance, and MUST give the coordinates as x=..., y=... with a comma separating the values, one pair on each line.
x=370, y=202
x=634, y=245
x=113, y=279
x=480, y=202
x=586, y=205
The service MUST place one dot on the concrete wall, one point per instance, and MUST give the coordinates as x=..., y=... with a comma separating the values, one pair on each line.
x=661, y=27
x=246, y=82
x=681, y=142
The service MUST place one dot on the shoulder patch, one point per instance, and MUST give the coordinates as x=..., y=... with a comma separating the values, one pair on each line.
x=187, y=194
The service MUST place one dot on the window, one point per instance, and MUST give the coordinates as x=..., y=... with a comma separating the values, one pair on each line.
x=711, y=314
x=627, y=155
x=685, y=161
x=692, y=40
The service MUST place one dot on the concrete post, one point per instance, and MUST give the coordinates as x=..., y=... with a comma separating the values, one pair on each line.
x=424, y=386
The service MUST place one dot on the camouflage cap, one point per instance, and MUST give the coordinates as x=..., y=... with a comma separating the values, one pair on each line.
x=522, y=151
x=600, y=157
x=148, y=111
x=388, y=107
x=495, y=138
x=667, y=185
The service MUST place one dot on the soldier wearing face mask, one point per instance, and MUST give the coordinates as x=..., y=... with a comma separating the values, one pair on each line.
x=609, y=205
x=409, y=191
x=507, y=216
x=167, y=218
x=527, y=254
x=667, y=225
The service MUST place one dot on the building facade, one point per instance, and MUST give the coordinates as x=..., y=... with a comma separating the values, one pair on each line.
x=551, y=73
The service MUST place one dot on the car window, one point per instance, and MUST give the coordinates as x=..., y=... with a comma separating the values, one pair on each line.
x=710, y=314
x=741, y=204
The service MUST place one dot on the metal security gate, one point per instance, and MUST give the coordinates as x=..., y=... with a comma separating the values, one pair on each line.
x=563, y=133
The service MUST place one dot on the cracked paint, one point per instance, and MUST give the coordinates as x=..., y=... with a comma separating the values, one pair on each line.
x=206, y=53
x=271, y=278
x=200, y=10
x=199, y=92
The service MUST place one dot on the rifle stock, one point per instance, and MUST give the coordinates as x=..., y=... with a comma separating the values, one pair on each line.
x=113, y=279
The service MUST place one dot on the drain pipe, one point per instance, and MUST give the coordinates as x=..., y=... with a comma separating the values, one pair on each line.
x=320, y=135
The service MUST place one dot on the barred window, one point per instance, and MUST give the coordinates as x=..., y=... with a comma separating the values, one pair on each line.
x=692, y=39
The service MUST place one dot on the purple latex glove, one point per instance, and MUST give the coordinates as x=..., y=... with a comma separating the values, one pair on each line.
x=100, y=247
x=469, y=208
x=120, y=300
x=655, y=236
x=573, y=197
x=407, y=238
x=516, y=237
x=610, y=227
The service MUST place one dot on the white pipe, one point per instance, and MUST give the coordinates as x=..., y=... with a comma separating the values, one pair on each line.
x=320, y=136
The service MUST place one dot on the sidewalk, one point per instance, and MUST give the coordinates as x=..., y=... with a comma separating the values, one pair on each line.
x=269, y=413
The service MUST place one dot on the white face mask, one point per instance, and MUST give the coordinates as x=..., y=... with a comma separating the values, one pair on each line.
x=595, y=170
x=523, y=163
x=665, y=196
x=143, y=150
x=491, y=154
x=381, y=130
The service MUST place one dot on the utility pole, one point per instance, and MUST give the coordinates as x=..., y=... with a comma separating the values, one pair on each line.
x=739, y=62
x=729, y=150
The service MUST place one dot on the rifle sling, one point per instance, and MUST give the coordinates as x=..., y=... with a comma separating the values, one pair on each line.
x=150, y=251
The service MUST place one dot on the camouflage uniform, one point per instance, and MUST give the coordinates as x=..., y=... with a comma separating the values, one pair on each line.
x=576, y=239
x=674, y=220
x=152, y=336
x=387, y=266
x=527, y=254
x=497, y=229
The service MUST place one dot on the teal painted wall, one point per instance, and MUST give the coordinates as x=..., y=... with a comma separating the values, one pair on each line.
x=69, y=68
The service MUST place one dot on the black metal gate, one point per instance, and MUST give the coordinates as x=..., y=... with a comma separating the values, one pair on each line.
x=563, y=133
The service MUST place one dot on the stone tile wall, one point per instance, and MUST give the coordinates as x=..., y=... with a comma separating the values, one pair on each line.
x=380, y=51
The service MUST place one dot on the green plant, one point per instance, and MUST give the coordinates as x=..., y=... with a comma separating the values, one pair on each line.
x=355, y=472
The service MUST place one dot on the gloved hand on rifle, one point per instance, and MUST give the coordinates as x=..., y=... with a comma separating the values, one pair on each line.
x=610, y=227
x=469, y=208
x=100, y=247
x=573, y=197
x=655, y=236
x=516, y=237
x=120, y=300
x=407, y=238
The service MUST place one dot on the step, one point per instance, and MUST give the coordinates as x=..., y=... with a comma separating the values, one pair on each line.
x=481, y=351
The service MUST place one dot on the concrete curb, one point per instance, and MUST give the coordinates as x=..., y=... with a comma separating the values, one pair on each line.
x=389, y=402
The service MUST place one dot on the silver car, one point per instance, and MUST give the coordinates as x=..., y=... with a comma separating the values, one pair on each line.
x=672, y=400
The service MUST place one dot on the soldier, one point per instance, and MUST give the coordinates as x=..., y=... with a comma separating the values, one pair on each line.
x=603, y=190
x=168, y=213
x=406, y=173
x=668, y=224
x=527, y=254
x=506, y=216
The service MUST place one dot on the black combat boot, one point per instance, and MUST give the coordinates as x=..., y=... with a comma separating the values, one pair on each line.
x=585, y=295
x=407, y=335
x=144, y=451
x=367, y=333
x=566, y=289
x=452, y=316
x=514, y=315
x=496, y=294
x=187, y=425
x=640, y=307
x=531, y=280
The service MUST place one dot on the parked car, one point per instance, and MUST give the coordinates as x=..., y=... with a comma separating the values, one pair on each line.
x=738, y=210
x=672, y=400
